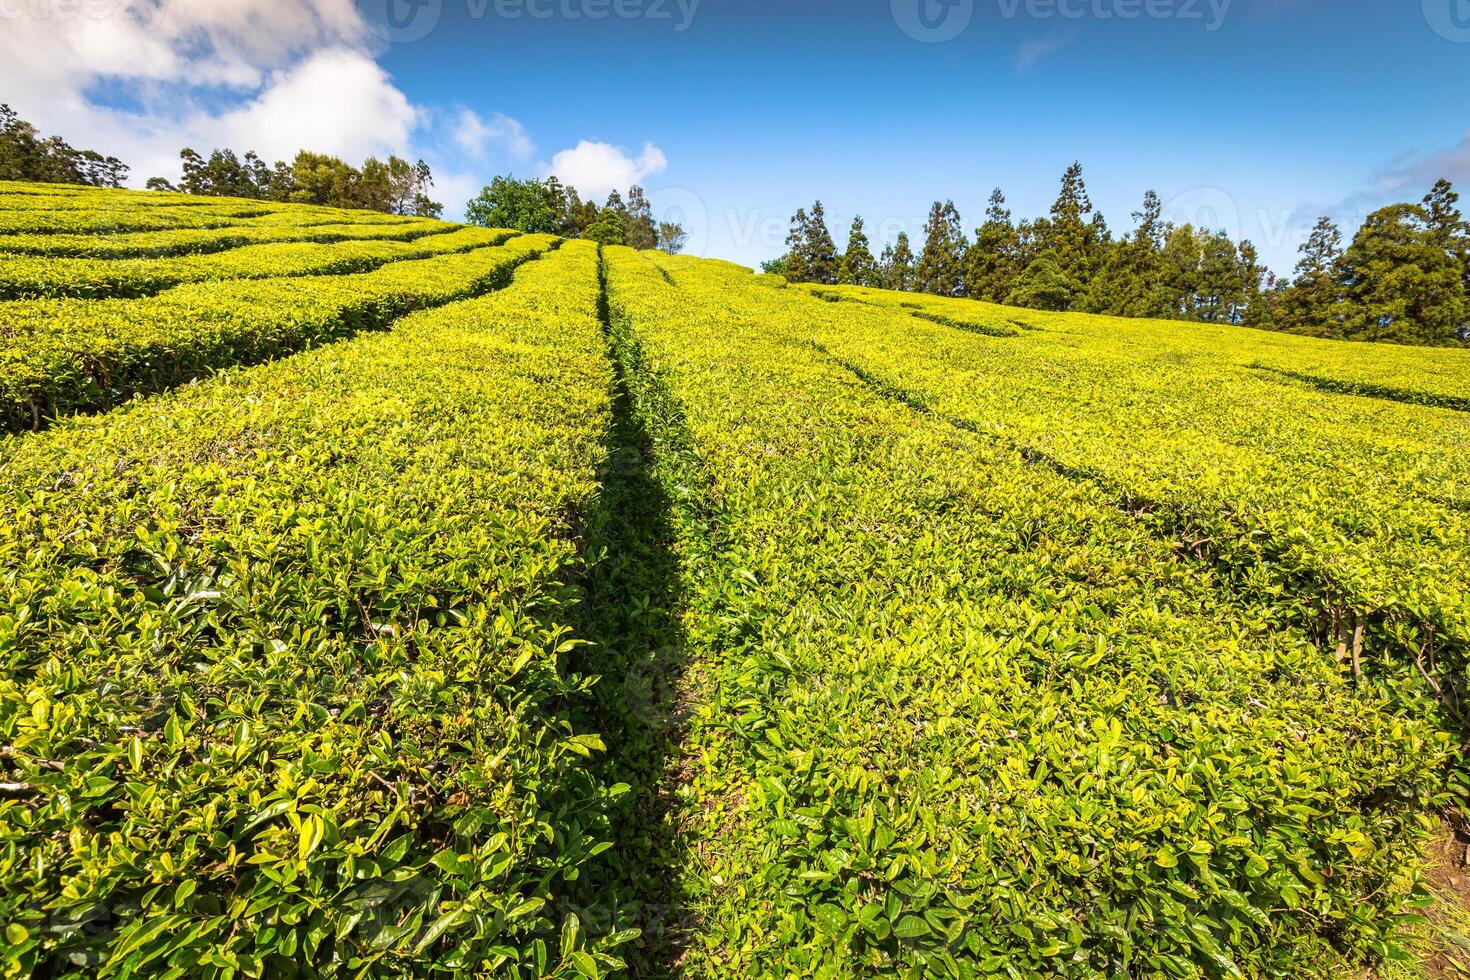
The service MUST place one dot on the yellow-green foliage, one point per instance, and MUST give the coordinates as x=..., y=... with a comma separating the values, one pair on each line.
x=1013, y=644
x=69, y=355
x=281, y=656
x=962, y=711
x=31, y=277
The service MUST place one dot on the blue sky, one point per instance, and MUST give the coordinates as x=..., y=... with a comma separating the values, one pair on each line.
x=1254, y=115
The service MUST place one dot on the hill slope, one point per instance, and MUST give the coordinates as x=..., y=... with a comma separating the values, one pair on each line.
x=539, y=609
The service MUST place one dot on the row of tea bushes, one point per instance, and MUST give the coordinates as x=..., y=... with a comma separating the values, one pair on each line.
x=955, y=714
x=282, y=656
x=33, y=277
x=67, y=355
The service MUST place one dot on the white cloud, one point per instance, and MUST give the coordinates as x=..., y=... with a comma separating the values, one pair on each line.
x=476, y=136
x=595, y=169
x=273, y=76
x=336, y=101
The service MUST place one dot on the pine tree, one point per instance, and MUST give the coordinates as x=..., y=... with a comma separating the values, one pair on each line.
x=1043, y=286
x=1131, y=279
x=942, y=266
x=858, y=268
x=639, y=229
x=1448, y=226
x=994, y=261
x=1400, y=283
x=1310, y=304
x=1254, y=311
x=898, y=264
x=1073, y=234
x=795, y=266
x=821, y=251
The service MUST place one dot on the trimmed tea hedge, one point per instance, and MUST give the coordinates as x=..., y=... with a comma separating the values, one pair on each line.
x=29, y=277
x=65, y=356
x=958, y=714
x=281, y=660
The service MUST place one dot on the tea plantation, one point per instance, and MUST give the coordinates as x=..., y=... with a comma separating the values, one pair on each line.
x=381, y=597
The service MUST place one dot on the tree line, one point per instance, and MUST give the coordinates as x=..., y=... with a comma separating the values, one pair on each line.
x=26, y=155
x=552, y=208
x=1404, y=278
x=394, y=186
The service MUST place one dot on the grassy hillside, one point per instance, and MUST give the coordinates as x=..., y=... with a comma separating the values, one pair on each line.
x=380, y=597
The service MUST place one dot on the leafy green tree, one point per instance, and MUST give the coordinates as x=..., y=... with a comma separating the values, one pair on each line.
x=324, y=180
x=25, y=155
x=1310, y=305
x=640, y=231
x=510, y=203
x=858, y=267
x=994, y=261
x=609, y=227
x=942, y=265
x=1219, y=283
x=1043, y=286
x=672, y=237
x=1401, y=284
x=897, y=265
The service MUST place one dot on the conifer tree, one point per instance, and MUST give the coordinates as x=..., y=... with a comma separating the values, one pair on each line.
x=1254, y=311
x=898, y=264
x=1043, y=286
x=1310, y=305
x=858, y=268
x=1448, y=226
x=994, y=261
x=942, y=265
x=795, y=266
x=1073, y=234
x=821, y=251
x=1131, y=280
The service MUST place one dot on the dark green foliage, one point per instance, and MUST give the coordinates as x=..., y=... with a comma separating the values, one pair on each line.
x=897, y=265
x=610, y=226
x=1043, y=286
x=640, y=231
x=525, y=205
x=941, y=267
x=858, y=267
x=1310, y=306
x=994, y=261
x=672, y=237
x=25, y=155
x=392, y=187
x=1399, y=281
x=811, y=255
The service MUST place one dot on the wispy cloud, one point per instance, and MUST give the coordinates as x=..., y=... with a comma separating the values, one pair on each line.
x=1033, y=50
